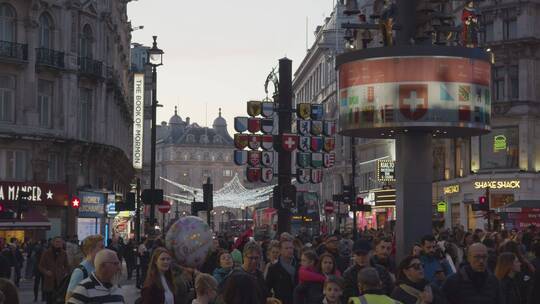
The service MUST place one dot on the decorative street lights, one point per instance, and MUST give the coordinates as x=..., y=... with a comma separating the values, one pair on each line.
x=221, y=224
x=155, y=59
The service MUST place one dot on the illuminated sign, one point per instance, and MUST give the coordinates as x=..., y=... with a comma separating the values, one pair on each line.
x=138, y=120
x=379, y=95
x=386, y=171
x=442, y=206
x=499, y=143
x=44, y=193
x=451, y=189
x=92, y=204
x=498, y=184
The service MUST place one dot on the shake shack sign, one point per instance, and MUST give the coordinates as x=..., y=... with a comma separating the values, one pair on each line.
x=40, y=193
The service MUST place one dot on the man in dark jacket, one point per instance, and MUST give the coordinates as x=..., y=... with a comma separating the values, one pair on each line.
x=331, y=246
x=282, y=276
x=381, y=255
x=361, y=249
x=473, y=283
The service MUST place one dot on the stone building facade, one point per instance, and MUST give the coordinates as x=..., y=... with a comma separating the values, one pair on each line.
x=65, y=118
x=315, y=81
x=511, y=152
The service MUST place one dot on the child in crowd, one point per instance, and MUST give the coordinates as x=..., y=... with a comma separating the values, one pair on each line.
x=333, y=289
x=308, y=271
x=206, y=288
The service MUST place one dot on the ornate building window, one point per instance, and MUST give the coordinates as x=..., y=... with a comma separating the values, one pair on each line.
x=218, y=139
x=7, y=96
x=44, y=102
x=87, y=41
x=45, y=31
x=85, y=110
x=204, y=139
x=190, y=138
x=7, y=22
x=206, y=155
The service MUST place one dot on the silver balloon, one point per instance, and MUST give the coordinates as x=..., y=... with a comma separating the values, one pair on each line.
x=190, y=239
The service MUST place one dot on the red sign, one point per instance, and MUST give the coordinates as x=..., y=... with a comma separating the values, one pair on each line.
x=413, y=100
x=289, y=142
x=75, y=202
x=329, y=207
x=40, y=193
x=165, y=207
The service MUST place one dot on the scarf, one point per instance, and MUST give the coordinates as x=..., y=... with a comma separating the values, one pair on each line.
x=412, y=288
x=288, y=267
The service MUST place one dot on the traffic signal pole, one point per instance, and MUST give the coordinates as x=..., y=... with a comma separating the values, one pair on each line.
x=353, y=189
x=285, y=124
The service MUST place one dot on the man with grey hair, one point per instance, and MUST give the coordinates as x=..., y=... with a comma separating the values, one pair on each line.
x=370, y=285
x=100, y=286
x=473, y=283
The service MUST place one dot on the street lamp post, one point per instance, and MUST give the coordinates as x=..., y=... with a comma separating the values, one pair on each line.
x=155, y=59
x=221, y=223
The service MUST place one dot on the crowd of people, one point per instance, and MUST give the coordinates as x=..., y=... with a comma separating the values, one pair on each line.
x=451, y=266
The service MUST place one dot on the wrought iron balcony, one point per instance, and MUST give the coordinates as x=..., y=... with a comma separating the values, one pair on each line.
x=50, y=58
x=13, y=51
x=90, y=67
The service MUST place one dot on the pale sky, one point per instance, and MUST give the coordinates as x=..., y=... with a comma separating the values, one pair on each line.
x=218, y=53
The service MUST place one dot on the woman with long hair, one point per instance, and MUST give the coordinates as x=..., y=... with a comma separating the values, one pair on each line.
x=327, y=265
x=412, y=287
x=508, y=265
x=158, y=286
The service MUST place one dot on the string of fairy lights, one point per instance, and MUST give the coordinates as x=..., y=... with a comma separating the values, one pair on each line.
x=232, y=195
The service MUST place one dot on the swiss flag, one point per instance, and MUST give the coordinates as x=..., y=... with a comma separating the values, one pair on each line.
x=289, y=142
x=413, y=100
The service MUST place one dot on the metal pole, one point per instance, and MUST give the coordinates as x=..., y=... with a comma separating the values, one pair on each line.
x=285, y=124
x=138, y=211
x=153, y=143
x=353, y=186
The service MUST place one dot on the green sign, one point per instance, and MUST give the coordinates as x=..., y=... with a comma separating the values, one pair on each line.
x=442, y=207
x=499, y=143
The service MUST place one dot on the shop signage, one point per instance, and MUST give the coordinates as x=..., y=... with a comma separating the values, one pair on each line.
x=92, y=204
x=499, y=143
x=442, y=206
x=111, y=205
x=498, y=184
x=386, y=170
x=451, y=189
x=40, y=193
x=138, y=120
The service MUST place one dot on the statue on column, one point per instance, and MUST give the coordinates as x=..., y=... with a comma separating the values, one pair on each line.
x=469, y=23
x=388, y=14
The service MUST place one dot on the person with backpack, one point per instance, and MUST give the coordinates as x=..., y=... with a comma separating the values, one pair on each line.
x=91, y=245
x=54, y=267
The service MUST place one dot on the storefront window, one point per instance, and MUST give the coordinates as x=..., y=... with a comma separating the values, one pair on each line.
x=500, y=149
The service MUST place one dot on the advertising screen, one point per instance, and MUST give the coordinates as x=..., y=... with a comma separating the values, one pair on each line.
x=416, y=91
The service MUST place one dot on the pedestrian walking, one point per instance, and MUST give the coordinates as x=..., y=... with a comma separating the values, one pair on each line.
x=333, y=290
x=473, y=284
x=158, y=285
x=225, y=266
x=206, y=287
x=100, y=286
x=508, y=265
x=282, y=276
x=91, y=245
x=370, y=288
x=54, y=267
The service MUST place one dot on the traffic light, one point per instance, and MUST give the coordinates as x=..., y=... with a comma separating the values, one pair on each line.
x=348, y=194
x=360, y=205
x=208, y=195
x=6, y=213
x=22, y=202
x=128, y=204
x=1, y=207
x=75, y=202
x=150, y=196
x=483, y=204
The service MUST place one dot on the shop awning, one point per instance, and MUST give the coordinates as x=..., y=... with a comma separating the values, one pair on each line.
x=32, y=219
x=522, y=206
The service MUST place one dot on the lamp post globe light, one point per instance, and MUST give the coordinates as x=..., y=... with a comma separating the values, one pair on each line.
x=155, y=59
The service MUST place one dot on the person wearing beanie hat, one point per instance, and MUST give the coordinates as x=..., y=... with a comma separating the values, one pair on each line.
x=237, y=257
x=361, y=258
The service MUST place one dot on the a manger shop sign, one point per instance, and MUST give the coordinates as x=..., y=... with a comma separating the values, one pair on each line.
x=92, y=204
x=39, y=193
